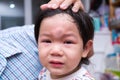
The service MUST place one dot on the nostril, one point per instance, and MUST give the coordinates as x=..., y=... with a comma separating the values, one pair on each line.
x=56, y=52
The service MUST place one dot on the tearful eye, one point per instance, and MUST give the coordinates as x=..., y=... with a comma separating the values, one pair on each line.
x=68, y=42
x=46, y=41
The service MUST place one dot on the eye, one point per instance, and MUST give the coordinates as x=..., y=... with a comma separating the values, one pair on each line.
x=46, y=41
x=68, y=42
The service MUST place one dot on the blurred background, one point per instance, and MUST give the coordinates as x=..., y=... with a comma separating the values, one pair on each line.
x=18, y=12
x=105, y=63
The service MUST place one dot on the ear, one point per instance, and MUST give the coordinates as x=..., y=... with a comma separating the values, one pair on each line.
x=88, y=47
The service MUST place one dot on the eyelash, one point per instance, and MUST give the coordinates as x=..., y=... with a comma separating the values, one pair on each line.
x=65, y=42
x=46, y=41
x=68, y=42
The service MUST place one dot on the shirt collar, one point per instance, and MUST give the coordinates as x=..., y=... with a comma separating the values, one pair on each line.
x=3, y=63
x=6, y=50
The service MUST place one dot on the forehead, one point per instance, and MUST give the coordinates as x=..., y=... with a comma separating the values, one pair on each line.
x=58, y=20
x=61, y=16
x=58, y=24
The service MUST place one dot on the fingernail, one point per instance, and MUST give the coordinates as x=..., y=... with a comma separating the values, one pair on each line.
x=54, y=6
x=49, y=6
x=74, y=10
x=63, y=6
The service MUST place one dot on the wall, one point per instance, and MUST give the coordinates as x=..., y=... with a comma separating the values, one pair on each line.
x=5, y=10
x=23, y=9
x=86, y=4
x=102, y=47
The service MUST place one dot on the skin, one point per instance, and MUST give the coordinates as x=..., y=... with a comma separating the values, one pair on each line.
x=63, y=4
x=60, y=45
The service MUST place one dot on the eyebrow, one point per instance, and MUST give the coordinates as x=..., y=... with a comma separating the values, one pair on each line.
x=44, y=34
x=65, y=35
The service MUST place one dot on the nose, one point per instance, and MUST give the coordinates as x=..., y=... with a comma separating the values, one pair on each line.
x=56, y=50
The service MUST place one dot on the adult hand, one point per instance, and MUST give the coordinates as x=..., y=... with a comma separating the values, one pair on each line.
x=63, y=4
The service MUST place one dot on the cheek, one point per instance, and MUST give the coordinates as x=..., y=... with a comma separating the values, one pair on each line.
x=73, y=62
x=42, y=52
x=42, y=56
x=75, y=55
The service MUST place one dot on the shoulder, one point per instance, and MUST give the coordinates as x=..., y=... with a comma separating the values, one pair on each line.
x=18, y=30
x=12, y=39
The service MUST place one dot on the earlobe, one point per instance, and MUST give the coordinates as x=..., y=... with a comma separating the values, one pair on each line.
x=87, y=49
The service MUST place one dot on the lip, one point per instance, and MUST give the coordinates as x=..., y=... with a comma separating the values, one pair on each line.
x=56, y=64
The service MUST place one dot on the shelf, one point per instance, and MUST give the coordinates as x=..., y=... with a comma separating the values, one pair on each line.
x=116, y=3
x=114, y=72
x=113, y=5
x=114, y=24
x=102, y=33
x=115, y=27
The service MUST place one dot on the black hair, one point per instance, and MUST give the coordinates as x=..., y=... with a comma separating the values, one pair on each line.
x=82, y=19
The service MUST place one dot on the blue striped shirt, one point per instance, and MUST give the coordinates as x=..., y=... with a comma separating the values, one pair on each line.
x=19, y=54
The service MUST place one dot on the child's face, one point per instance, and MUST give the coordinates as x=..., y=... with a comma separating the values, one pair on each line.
x=60, y=45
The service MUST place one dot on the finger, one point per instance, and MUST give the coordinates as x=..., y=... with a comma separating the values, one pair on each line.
x=77, y=5
x=47, y=6
x=53, y=4
x=44, y=6
x=81, y=5
x=66, y=4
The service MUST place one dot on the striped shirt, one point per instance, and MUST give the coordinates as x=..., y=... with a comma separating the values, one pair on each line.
x=19, y=54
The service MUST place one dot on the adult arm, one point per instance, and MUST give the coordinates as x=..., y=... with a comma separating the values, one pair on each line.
x=63, y=4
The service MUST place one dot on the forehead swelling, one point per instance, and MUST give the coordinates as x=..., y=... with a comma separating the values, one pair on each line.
x=58, y=24
x=61, y=18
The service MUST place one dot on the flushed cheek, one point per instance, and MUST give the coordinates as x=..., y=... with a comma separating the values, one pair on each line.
x=43, y=54
x=43, y=47
x=43, y=59
x=73, y=58
x=73, y=63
